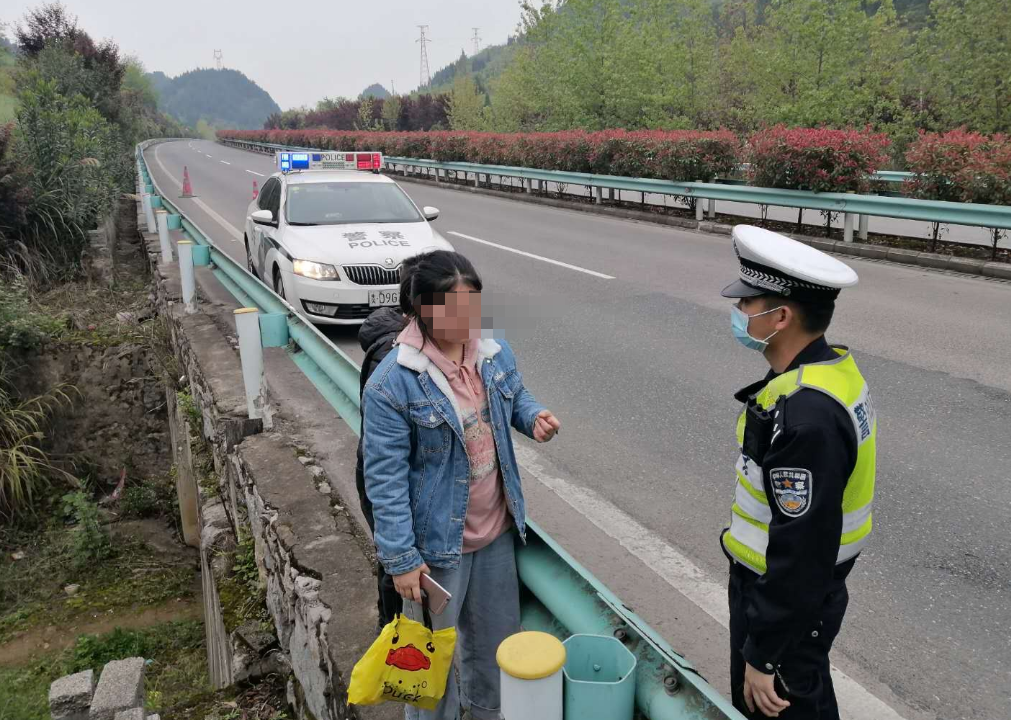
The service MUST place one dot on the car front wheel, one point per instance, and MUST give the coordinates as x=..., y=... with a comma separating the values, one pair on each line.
x=249, y=262
x=279, y=284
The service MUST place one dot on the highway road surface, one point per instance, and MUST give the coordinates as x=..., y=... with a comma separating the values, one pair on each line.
x=620, y=329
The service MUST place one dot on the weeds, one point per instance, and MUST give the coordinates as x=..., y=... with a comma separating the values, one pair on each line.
x=189, y=407
x=24, y=467
x=176, y=672
x=88, y=542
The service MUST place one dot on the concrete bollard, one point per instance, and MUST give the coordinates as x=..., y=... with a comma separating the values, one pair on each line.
x=712, y=208
x=530, y=666
x=163, y=236
x=848, y=227
x=863, y=226
x=247, y=325
x=187, y=279
x=152, y=227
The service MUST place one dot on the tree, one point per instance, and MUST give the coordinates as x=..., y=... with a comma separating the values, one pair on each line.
x=367, y=114
x=966, y=55
x=466, y=105
x=391, y=112
x=205, y=130
x=815, y=62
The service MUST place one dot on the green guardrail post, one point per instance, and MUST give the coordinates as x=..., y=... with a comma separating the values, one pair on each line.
x=201, y=255
x=274, y=329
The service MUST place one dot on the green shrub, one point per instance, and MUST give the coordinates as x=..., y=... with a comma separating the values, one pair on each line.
x=70, y=157
x=89, y=542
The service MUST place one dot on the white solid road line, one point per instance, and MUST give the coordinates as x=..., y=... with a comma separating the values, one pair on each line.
x=531, y=255
x=678, y=571
x=235, y=233
x=223, y=162
x=253, y=172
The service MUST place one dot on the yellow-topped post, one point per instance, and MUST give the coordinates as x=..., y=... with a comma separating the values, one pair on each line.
x=531, y=676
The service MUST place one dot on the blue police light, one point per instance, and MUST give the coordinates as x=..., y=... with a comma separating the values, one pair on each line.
x=299, y=161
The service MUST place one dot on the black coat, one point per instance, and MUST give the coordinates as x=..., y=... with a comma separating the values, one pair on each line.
x=377, y=335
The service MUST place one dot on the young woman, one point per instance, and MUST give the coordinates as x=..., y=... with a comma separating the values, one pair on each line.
x=441, y=472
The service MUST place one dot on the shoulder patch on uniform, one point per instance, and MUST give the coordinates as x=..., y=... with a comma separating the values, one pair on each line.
x=792, y=489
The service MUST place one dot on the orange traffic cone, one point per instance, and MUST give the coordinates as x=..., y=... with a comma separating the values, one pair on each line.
x=187, y=188
x=256, y=191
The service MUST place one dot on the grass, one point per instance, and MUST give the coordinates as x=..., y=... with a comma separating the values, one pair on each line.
x=176, y=679
x=176, y=674
x=8, y=108
x=132, y=578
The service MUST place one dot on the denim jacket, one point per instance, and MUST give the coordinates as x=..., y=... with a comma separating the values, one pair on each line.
x=417, y=473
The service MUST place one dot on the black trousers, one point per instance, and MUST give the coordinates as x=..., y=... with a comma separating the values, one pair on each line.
x=803, y=676
x=390, y=603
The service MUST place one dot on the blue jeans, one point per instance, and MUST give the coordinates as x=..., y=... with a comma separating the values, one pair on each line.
x=485, y=610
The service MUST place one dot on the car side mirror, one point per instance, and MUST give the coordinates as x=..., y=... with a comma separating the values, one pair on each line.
x=430, y=213
x=263, y=217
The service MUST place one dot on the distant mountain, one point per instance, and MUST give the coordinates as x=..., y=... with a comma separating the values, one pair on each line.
x=376, y=90
x=486, y=66
x=222, y=98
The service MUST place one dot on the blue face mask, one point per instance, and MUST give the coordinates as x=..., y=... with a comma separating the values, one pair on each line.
x=739, y=324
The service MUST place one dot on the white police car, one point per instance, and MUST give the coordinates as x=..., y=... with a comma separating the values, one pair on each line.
x=328, y=234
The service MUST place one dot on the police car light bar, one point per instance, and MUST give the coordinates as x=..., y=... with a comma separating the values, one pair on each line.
x=288, y=161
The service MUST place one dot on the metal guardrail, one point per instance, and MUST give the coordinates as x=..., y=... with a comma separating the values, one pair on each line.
x=987, y=216
x=558, y=595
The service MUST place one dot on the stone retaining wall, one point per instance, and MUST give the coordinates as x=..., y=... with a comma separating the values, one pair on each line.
x=316, y=565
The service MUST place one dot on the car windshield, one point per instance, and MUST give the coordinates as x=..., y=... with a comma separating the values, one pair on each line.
x=340, y=203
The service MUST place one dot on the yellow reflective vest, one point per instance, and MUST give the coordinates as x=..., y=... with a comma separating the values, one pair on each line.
x=748, y=535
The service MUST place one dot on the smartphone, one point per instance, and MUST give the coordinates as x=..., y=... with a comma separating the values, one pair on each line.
x=434, y=595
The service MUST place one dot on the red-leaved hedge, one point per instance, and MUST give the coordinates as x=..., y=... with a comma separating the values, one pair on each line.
x=817, y=159
x=676, y=155
x=960, y=166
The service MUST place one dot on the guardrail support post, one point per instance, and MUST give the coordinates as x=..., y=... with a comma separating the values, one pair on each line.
x=152, y=227
x=163, y=236
x=477, y=179
x=528, y=185
x=247, y=325
x=863, y=226
x=712, y=208
x=186, y=275
x=848, y=227
x=436, y=174
x=598, y=193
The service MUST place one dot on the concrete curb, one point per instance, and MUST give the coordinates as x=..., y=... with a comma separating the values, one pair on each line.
x=901, y=256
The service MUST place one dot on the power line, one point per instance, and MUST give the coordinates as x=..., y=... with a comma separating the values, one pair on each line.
x=426, y=77
x=477, y=41
x=218, y=57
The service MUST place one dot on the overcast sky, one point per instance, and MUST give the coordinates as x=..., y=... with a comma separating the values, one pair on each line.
x=297, y=50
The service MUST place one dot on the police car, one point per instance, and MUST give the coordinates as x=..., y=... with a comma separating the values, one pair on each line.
x=328, y=234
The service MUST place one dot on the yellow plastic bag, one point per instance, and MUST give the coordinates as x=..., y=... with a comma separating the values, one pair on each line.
x=407, y=663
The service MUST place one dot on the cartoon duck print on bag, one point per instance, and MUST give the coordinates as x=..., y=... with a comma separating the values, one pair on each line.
x=408, y=663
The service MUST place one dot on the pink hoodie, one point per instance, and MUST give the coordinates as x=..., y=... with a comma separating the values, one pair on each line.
x=487, y=512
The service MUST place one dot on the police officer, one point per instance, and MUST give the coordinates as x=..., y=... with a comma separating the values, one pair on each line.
x=804, y=479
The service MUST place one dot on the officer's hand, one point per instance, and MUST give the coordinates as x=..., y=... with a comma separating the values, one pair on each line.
x=759, y=689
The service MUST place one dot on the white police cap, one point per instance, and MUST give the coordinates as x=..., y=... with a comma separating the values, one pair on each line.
x=775, y=264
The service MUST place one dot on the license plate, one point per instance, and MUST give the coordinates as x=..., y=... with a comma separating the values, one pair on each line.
x=384, y=298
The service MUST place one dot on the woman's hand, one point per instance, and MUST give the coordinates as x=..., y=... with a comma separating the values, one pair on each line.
x=409, y=584
x=545, y=426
